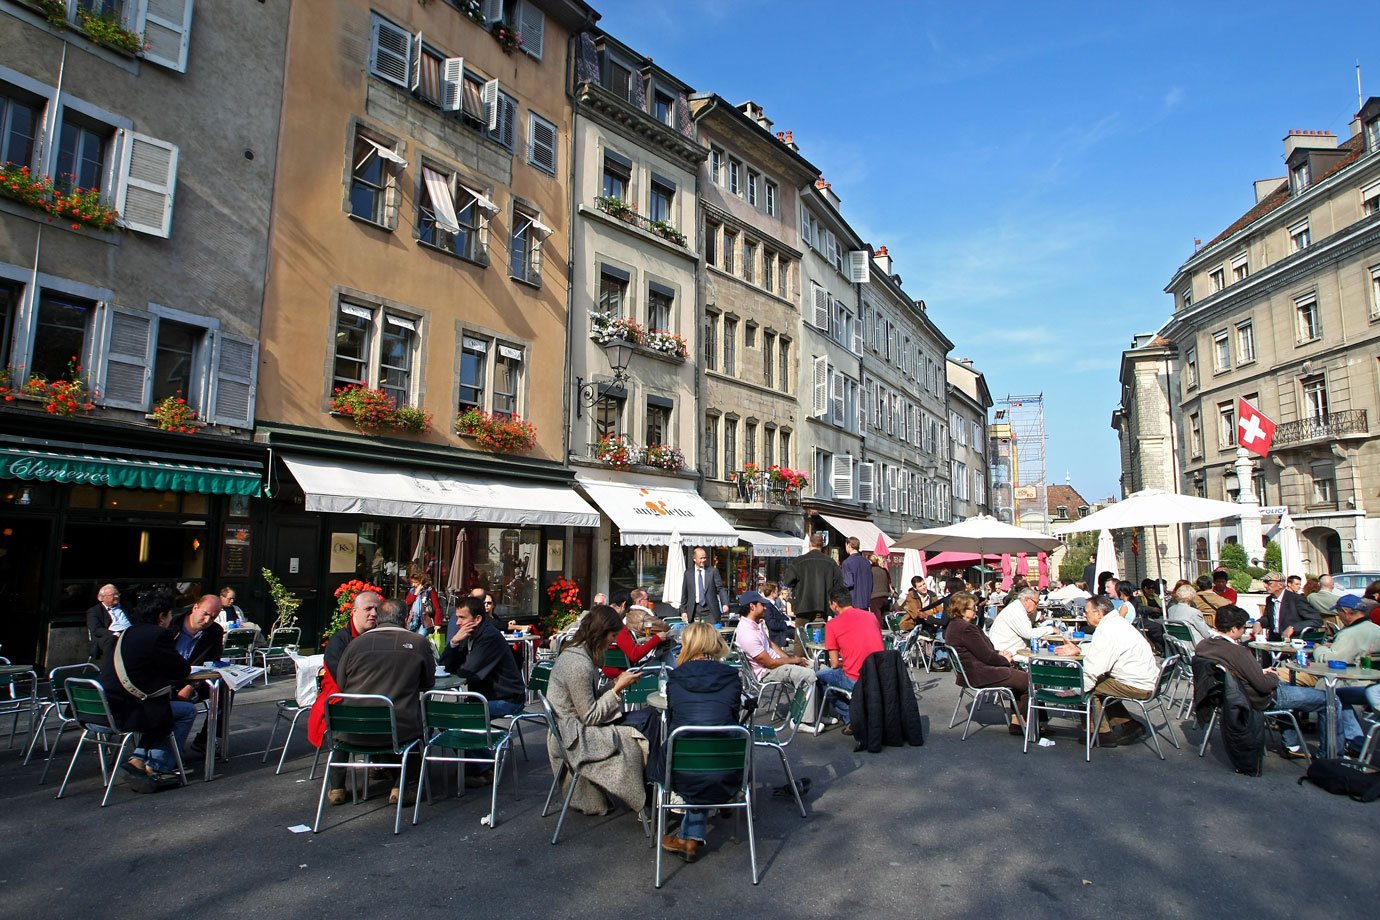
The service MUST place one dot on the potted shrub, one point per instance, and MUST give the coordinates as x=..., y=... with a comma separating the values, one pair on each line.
x=372, y=409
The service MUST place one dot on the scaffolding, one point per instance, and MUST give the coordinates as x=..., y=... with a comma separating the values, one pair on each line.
x=1025, y=418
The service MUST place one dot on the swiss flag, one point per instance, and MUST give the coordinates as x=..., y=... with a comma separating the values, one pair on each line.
x=1254, y=431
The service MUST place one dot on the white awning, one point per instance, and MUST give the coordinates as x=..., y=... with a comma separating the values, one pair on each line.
x=771, y=544
x=866, y=531
x=387, y=153
x=481, y=201
x=387, y=491
x=646, y=514
x=442, y=202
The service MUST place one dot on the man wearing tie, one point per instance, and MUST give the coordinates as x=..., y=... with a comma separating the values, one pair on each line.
x=1286, y=613
x=703, y=595
x=105, y=621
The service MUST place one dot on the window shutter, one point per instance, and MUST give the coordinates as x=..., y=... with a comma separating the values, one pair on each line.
x=836, y=391
x=893, y=501
x=489, y=95
x=860, y=419
x=167, y=29
x=148, y=175
x=392, y=52
x=127, y=357
x=821, y=307
x=867, y=489
x=857, y=266
x=841, y=476
x=493, y=10
x=234, y=366
x=507, y=120
x=453, y=84
x=857, y=337
x=415, y=59
x=541, y=150
x=531, y=25
x=820, y=405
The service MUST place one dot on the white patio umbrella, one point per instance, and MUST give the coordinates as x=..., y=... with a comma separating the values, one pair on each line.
x=675, y=570
x=1153, y=508
x=1290, y=552
x=911, y=566
x=455, y=579
x=1069, y=593
x=980, y=534
x=1106, y=557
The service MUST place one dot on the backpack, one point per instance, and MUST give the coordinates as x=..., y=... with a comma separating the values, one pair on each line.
x=1341, y=777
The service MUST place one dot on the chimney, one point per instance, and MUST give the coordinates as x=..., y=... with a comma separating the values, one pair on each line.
x=1309, y=140
x=1264, y=187
x=827, y=190
x=790, y=141
x=920, y=305
x=883, y=260
x=1356, y=126
x=754, y=111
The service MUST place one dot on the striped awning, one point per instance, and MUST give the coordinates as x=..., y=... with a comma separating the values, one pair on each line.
x=127, y=473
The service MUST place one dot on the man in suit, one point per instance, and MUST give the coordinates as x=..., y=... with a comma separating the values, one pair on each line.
x=140, y=690
x=104, y=622
x=813, y=578
x=703, y=596
x=198, y=638
x=1286, y=613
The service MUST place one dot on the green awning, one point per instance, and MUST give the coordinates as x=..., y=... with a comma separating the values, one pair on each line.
x=158, y=475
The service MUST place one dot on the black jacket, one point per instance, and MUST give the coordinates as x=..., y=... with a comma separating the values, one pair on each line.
x=779, y=628
x=883, y=709
x=1290, y=609
x=715, y=594
x=703, y=693
x=393, y=662
x=98, y=631
x=210, y=644
x=1242, y=725
x=153, y=665
x=812, y=578
x=486, y=663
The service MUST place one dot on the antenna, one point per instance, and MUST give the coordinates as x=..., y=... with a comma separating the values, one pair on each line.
x=1360, y=100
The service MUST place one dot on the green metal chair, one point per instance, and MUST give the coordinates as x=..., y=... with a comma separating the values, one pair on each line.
x=1315, y=634
x=695, y=749
x=1277, y=715
x=60, y=708
x=281, y=644
x=1167, y=670
x=17, y=702
x=811, y=638
x=536, y=687
x=635, y=697
x=615, y=658
x=368, y=715
x=768, y=736
x=458, y=722
x=1056, y=687
x=995, y=695
x=91, y=710
x=1178, y=631
x=239, y=646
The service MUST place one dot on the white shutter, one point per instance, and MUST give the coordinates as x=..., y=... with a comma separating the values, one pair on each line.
x=531, y=25
x=857, y=337
x=392, y=52
x=821, y=306
x=148, y=176
x=127, y=357
x=836, y=392
x=867, y=489
x=453, y=84
x=493, y=10
x=489, y=96
x=167, y=29
x=820, y=405
x=841, y=476
x=415, y=78
x=234, y=366
x=857, y=266
x=541, y=143
x=893, y=501
x=864, y=401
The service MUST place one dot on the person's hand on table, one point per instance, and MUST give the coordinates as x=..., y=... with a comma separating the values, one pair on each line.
x=1068, y=650
x=1288, y=633
x=625, y=680
x=188, y=693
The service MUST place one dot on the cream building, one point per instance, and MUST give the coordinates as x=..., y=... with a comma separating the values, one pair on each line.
x=969, y=403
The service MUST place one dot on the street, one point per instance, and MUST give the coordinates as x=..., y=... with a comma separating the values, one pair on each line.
x=952, y=829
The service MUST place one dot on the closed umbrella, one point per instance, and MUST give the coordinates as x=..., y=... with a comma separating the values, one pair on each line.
x=881, y=549
x=1290, y=552
x=1022, y=565
x=1043, y=561
x=455, y=581
x=675, y=570
x=912, y=564
x=1006, y=571
x=1106, y=557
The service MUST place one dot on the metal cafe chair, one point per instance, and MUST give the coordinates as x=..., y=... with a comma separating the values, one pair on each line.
x=1167, y=670
x=60, y=708
x=458, y=723
x=768, y=736
x=1056, y=687
x=281, y=644
x=977, y=695
x=368, y=715
x=91, y=710
x=700, y=749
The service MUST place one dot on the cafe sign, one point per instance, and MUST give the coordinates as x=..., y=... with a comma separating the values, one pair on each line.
x=33, y=466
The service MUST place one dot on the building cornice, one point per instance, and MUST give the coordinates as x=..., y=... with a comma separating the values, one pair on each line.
x=609, y=110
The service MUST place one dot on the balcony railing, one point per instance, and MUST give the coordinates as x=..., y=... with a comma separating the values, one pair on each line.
x=626, y=212
x=1334, y=425
x=759, y=490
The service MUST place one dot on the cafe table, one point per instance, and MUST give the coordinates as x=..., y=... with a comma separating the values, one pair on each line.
x=450, y=682
x=1329, y=678
x=528, y=641
x=222, y=682
x=1275, y=649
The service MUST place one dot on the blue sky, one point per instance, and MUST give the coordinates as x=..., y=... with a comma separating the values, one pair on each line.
x=1037, y=170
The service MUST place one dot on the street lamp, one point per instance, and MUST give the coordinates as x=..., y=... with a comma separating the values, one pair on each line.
x=619, y=352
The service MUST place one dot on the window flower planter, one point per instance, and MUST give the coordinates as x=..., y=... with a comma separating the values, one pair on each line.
x=605, y=327
x=373, y=410
x=508, y=37
x=78, y=207
x=64, y=397
x=663, y=457
x=102, y=28
x=173, y=414
x=666, y=343
x=618, y=452
x=497, y=434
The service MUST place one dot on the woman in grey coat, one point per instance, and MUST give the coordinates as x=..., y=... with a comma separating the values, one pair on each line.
x=612, y=757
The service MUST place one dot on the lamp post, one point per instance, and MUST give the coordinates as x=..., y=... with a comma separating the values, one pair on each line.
x=619, y=352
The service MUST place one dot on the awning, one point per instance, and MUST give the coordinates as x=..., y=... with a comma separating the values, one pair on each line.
x=122, y=473
x=647, y=514
x=442, y=202
x=771, y=544
x=866, y=531
x=383, y=491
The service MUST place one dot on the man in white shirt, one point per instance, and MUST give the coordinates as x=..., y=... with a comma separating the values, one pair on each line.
x=1014, y=626
x=1117, y=662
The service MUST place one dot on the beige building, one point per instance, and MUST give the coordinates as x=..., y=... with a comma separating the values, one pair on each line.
x=419, y=259
x=750, y=293
x=969, y=402
x=1283, y=309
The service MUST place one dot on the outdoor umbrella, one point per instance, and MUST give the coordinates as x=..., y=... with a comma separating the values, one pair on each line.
x=1106, y=557
x=1153, y=508
x=675, y=570
x=1006, y=571
x=957, y=560
x=455, y=581
x=1069, y=593
x=1290, y=552
x=980, y=534
x=1043, y=560
x=913, y=564
x=881, y=549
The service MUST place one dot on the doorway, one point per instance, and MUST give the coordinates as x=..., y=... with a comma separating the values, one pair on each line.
x=23, y=544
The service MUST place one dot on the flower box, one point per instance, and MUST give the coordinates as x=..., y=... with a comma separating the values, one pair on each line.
x=77, y=207
x=173, y=414
x=65, y=396
x=373, y=410
x=495, y=433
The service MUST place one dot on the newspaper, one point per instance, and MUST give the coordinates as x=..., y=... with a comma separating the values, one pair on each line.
x=236, y=676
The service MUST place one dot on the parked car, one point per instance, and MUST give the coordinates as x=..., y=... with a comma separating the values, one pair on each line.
x=1354, y=582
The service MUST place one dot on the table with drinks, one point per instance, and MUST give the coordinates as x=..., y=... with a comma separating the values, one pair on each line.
x=1329, y=673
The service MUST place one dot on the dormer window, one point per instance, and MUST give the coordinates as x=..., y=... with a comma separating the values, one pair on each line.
x=1082, y=510
x=1373, y=135
x=1062, y=512
x=1298, y=178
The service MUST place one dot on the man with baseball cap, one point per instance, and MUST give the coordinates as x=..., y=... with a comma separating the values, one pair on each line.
x=769, y=663
x=1358, y=638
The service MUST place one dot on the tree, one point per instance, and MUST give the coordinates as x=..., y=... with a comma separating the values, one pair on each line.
x=1234, y=557
x=1078, y=552
x=1274, y=559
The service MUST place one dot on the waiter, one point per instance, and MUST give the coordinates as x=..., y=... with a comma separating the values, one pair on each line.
x=703, y=595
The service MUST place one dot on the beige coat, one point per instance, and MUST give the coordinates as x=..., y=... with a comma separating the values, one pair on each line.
x=612, y=757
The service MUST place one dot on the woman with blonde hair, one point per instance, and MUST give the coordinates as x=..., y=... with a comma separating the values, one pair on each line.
x=702, y=690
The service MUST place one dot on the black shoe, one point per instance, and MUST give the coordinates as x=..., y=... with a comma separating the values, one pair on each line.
x=1353, y=748
x=139, y=779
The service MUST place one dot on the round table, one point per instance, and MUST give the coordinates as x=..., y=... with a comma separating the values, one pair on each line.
x=1329, y=678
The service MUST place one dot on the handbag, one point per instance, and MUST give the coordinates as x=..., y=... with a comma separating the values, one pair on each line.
x=1341, y=777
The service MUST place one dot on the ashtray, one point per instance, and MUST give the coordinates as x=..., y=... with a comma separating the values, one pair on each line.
x=1079, y=634
x=1337, y=665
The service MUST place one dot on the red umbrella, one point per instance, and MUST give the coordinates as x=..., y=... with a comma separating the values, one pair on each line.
x=1022, y=565
x=1006, y=571
x=881, y=549
x=1044, y=570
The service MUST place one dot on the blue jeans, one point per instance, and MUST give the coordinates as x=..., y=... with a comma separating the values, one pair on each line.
x=1301, y=699
x=160, y=756
x=499, y=709
x=1360, y=696
x=693, y=825
x=834, y=677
